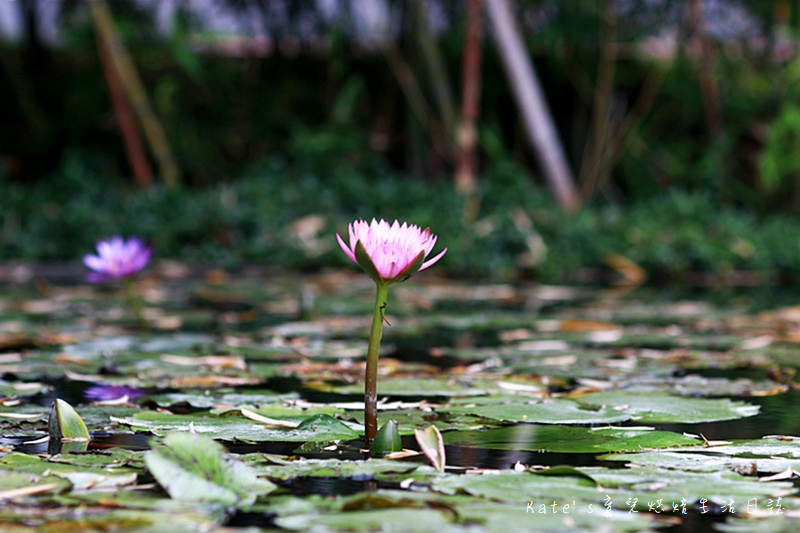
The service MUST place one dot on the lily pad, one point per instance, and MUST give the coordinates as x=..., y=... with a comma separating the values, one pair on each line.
x=239, y=427
x=420, y=387
x=548, y=411
x=16, y=484
x=668, y=409
x=567, y=439
x=386, y=519
x=277, y=467
x=196, y=468
x=766, y=447
x=201, y=399
x=702, y=462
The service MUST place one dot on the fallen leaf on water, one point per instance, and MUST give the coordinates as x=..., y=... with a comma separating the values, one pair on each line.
x=64, y=358
x=93, y=378
x=212, y=361
x=211, y=381
x=247, y=413
x=587, y=325
x=789, y=473
x=402, y=454
x=27, y=491
x=21, y=416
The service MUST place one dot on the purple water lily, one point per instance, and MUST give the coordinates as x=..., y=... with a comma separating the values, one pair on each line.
x=117, y=258
x=106, y=393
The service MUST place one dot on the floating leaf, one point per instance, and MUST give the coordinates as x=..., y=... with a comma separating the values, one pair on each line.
x=668, y=409
x=420, y=386
x=247, y=413
x=432, y=445
x=388, y=519
x=567, y=439
x=197, y=468
x=317, y=428
x=322, y=424
x=564, y=470
x=277, y=467
x=548, y=411
x=16, y=484
x=700, y=461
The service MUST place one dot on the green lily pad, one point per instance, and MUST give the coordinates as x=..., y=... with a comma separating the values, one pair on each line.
x=705, y=462
x=548, y=411
x=698, y=386
x=567, y=439
x=518, y=487
x=196, y=468
x=420, y=387
x=716, y=487
x=11, y=480
x=636, y=488
x=766, y=447
x=239, y=427
x=277, y=467
x=769, y=520
x=566, y=516
x=387, y=519
x=201, y=399
x=668, y=409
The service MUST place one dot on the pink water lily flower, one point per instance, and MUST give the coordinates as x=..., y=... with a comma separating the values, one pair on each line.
x=389, y=253
x=118, y=258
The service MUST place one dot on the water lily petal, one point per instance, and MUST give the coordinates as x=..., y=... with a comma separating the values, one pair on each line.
x=118, y=258
x=389, y=252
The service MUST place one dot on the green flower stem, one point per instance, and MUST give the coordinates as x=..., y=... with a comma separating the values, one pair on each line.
x=371, y=376
x=135, y=303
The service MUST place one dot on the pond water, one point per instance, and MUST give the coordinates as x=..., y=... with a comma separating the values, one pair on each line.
x=627, y=410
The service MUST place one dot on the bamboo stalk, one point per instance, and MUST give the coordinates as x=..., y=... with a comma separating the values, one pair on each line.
x=470, y=102
x=123, y=63
x=530, y=99
x=432, y=56
x=708, y=81
x=142, y=173
x=410, y=88
x=600, y=134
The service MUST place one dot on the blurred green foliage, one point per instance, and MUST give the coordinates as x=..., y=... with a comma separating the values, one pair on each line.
x=255, y=220
x=331, y=100
x=325, y=129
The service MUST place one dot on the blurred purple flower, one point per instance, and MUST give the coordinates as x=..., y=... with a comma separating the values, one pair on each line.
x=117, y=258
x=105, y=393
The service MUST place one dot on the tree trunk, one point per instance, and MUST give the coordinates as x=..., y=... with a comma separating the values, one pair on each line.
x=142, y=173
x=470, y=101
x=530, y=99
